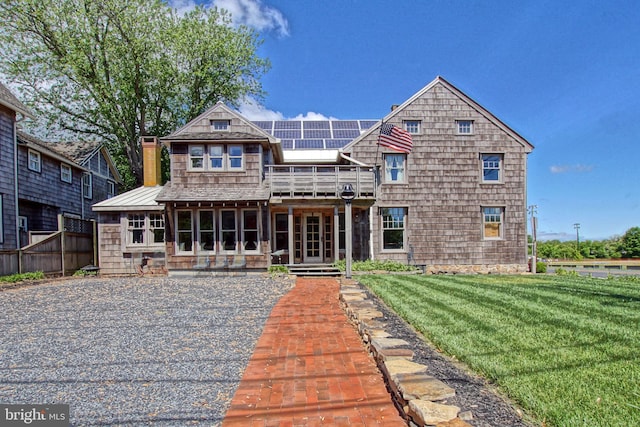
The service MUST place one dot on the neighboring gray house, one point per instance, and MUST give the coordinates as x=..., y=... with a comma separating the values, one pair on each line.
x=62, y=178
x=11, y=111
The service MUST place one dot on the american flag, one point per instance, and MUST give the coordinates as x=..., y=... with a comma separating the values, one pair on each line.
x=395, y=138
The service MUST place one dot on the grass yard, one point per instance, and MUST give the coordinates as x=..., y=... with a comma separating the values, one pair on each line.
x=567, y=349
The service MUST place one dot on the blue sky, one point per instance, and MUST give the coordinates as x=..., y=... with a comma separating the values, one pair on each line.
x=563, y=74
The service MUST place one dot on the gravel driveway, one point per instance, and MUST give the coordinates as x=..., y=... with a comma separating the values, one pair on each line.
x=133, y=351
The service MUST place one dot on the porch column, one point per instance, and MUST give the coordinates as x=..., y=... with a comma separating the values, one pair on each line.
x=336, y=234
x=290, y=247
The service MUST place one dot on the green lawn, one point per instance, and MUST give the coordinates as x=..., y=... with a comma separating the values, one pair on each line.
x=567, y=349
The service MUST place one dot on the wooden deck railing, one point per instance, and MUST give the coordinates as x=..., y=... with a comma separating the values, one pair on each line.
x=319, y=181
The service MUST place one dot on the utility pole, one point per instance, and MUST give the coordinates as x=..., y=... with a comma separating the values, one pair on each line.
x=577, y=227
x=534, y=248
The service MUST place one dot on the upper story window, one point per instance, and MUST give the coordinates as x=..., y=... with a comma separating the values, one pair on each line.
x=491, y=168
x=220, y=125
x=394, y=168
x=464, y=127
x=492, y=220
x=111, y=189
x=87, y=186
x=216, y=157
x=413, y=126
x=34, y=163
x=65, y=173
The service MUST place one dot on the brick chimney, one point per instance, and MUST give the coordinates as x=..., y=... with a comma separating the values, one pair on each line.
x=151, y=161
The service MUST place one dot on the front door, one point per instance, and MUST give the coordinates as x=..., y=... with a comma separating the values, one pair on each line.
x=312, y=238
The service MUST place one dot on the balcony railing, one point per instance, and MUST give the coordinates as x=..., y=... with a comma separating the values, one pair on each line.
x=319, y=181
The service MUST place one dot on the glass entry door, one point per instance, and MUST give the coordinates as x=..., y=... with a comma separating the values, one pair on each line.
x=312, y=238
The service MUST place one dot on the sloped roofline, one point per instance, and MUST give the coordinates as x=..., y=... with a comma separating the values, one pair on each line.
x=41, y=146
x=473, y=104
x=10, y=101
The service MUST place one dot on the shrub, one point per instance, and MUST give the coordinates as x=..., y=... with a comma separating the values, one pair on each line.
x=19, y=277
x=371, y=265
x=541, y=267
x=278, y=269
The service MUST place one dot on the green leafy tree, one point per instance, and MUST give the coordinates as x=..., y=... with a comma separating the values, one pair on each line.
x=119, y=69
x=630, y=243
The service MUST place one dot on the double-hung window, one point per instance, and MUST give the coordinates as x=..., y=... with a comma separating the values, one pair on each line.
x=492, y=220
x=136, y=229
x=216, y=157
x=87, y=186
x=65, y=173
x=235, y=157
x=393, y=229
x=34, y=162
x=250, y=230
x=196, y=157
x=228, y=230
x=184, y=228
x=207, y=232
x=394, y=168
x=491, y=168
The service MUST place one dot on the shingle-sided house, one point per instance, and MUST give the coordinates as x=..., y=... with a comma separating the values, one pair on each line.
x=270, y=191
x=11, y=111
x=60, y=178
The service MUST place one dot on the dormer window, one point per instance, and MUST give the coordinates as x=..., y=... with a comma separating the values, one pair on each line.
x=216, y=157
x=220, y=125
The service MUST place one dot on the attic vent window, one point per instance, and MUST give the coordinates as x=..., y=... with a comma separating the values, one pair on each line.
x=465, y=127
x=220, y=125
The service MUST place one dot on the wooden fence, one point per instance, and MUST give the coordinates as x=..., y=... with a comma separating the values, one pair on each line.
x=60, y=253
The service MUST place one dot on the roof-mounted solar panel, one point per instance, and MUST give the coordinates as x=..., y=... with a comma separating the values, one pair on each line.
x=366, y=124
x=309, y=144
x=287, y=144
x=336, y=143
x=287, y=134
x=266, y=125
x=287, y=124
x=317, y=133
x=315, y=124
x=344, y=124
x=346, y=133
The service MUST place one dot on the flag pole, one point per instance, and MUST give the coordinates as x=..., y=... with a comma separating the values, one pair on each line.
x=377, y=168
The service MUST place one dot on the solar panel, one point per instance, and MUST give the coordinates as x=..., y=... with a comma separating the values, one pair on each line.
x=336, y=143
x=287, y=144
x=266, y=125
x=287, y=134
x=317, y=133
x=366, y=124
x=346, y=133
x=309, y=144
x=287, y=124
x=315, y=124
x=344, y=124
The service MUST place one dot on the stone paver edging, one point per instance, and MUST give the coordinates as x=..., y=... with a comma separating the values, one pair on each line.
x=421, y=398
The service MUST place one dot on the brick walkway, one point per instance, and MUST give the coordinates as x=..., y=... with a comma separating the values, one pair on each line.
x=310, y=368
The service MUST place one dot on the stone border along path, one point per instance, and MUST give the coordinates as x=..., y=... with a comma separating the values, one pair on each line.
x=423, y=399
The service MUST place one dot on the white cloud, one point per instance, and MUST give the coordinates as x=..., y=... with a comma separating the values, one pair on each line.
x=251, y=13
x=579, y=168
x=253, y=110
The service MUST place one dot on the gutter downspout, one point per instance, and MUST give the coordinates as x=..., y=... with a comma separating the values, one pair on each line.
x=15, y=184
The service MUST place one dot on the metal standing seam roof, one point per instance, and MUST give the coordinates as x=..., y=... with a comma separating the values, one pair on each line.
x=141, y=198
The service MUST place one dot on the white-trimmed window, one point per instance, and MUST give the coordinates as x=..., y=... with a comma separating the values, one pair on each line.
x=206, y=231
x=228, y=231
x=220, y=125
x=145, y=229
x=491, y=168
x=184, y=230
x=492, y=222
x=65, y=173
x=34, y=162
x=216, y=157
x=196, y=157
x=414, y=127
x=111, y=189
x=87, y=186
x=250, y=241
x=393, y=228
x=464, y=127
x=394, y=168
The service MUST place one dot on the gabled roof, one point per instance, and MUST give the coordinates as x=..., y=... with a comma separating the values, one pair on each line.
x=83, y=151
x=473, y=104
x=10, y=101
x=47, y=149
x=138, y=199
